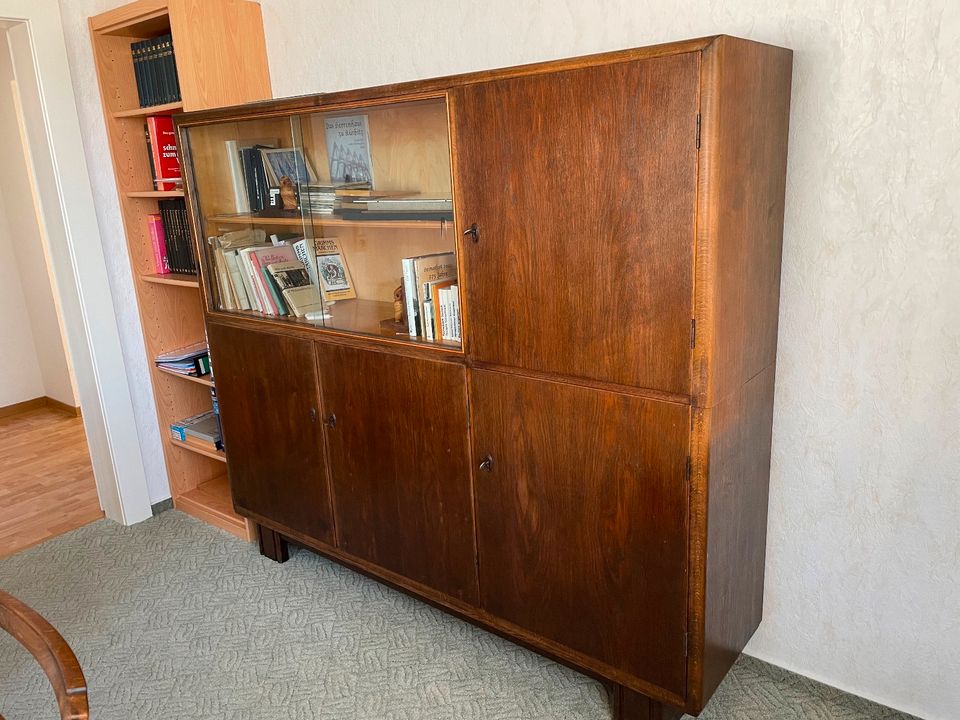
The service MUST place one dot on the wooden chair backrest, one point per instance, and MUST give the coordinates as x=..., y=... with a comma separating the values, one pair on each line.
x=49, y=649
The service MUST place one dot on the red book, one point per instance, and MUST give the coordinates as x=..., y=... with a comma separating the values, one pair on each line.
x=163, y=152
x=158, y=239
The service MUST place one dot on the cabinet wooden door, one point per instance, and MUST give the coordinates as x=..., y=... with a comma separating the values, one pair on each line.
x=269, y=409
x=582, y=519
x=582, y=185
x=399, y=460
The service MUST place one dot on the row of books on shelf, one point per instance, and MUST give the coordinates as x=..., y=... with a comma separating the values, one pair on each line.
x=170, y=238
x=192, y=360
x=432, y=296
x=155, y=71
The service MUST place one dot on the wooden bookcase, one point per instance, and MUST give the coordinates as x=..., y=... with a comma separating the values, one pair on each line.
x=221, y=60
x=587, y=473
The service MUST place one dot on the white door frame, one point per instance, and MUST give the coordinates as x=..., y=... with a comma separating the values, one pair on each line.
x=78, y=267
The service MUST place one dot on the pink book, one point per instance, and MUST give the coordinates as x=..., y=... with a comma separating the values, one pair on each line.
x=262, y=257
x=161, y=264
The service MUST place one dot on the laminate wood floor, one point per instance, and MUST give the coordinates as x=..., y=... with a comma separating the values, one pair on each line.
x=46, y=479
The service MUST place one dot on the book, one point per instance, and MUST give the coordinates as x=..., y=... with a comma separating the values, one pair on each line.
x=410, y=295
x=259, y=259
x=179, y=243
x=306, y=254
x=427, y=269
x=164, y=160
x=255, y=178
x=287, y=162
x=348, y=148
x=449, y=300
x=432, y=291
x=155, y=71
x=190, y=360
x=333, y=272
x=241, y=198
x=199, y=428
x=161, y=264
x=301, y=295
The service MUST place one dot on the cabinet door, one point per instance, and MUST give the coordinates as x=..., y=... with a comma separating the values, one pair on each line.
x=399, y=461
x=583, y=187
x=269, y=401
x=582, y=519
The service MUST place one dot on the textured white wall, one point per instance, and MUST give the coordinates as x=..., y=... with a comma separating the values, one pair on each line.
x=22, y=218
x=863, y=571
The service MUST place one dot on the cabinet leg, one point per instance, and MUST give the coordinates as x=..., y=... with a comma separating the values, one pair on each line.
x=630, y=705
x=272, y=544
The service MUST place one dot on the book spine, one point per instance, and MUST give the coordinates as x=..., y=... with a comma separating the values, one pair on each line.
x=428, y=314
x=164, y=64
x=275, y=294
x=136, y=54
x=161, y=263
x=269, y=306
x=153, y=166
x=410, y=295
x=174, y=78
x=444, y=314
x=149, y=93
x=457, y=332
x=243, y=256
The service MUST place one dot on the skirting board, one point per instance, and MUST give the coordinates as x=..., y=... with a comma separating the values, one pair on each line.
x=37, y=403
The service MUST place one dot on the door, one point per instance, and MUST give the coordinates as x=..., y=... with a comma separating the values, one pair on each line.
x=582, y=519
x=269, y=401
x=582, y=185
x=399, y=461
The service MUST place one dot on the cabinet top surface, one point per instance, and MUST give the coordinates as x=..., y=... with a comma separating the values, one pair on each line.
x=437, y=85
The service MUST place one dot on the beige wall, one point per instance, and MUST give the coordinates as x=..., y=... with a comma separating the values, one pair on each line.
x=862, y=570
x=25, y=235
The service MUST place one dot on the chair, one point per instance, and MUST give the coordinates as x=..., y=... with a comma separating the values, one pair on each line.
x=49, y=649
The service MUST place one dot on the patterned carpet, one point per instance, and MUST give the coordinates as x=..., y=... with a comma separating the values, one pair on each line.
x=174, y=619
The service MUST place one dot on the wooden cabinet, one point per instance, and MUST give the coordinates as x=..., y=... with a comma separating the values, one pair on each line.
x=582, y=519
x=269, y=404
x=584, y=468
x=583, y=186
x=399, y=462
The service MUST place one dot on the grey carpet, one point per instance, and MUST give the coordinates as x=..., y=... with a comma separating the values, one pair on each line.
x=175, y=619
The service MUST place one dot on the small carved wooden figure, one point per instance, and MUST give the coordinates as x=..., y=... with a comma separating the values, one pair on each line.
x=288, y=194
x=399, y=306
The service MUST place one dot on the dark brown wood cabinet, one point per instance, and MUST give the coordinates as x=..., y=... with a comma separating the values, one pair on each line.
x=399, y=463
x=583, y=467
x=269, y=408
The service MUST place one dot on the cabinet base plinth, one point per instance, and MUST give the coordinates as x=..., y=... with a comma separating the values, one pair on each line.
x=272, y=544
x=631, y=705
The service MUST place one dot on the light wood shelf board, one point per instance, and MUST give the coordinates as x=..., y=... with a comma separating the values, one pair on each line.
x=215, y=454
x=142, y=112
x=327, y=221
x=178, y=279
x=210, y=501
x=190, y=378
x=158, y=194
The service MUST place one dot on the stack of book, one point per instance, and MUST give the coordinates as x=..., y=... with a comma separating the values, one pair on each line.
x=155, y=70
x=201, y=431
x=193, y=360
x=397, y=207
x=432, y=296
x=170, y=237
x=253, y=274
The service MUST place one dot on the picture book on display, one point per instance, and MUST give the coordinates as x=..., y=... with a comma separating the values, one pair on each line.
x=348, y=149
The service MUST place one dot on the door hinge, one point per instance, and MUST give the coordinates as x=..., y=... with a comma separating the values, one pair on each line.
x=698, y=131
x=693, y=333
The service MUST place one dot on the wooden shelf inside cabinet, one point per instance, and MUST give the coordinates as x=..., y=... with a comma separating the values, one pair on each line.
x=356, y=317
x=142, y=112
x=205, y=380
x=157, y=194
x=200, y=450
x=178, y=279
x=210, y=501
x=327, y=220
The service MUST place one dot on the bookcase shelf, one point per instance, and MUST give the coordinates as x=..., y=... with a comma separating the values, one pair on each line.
x=328, y=221
x=189, y=378
x=178, y=279
x=215, y=454
x=158, y=194
x=139, y=112
x=210, y=74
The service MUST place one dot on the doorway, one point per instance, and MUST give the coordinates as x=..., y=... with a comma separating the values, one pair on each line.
x=47, y=484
